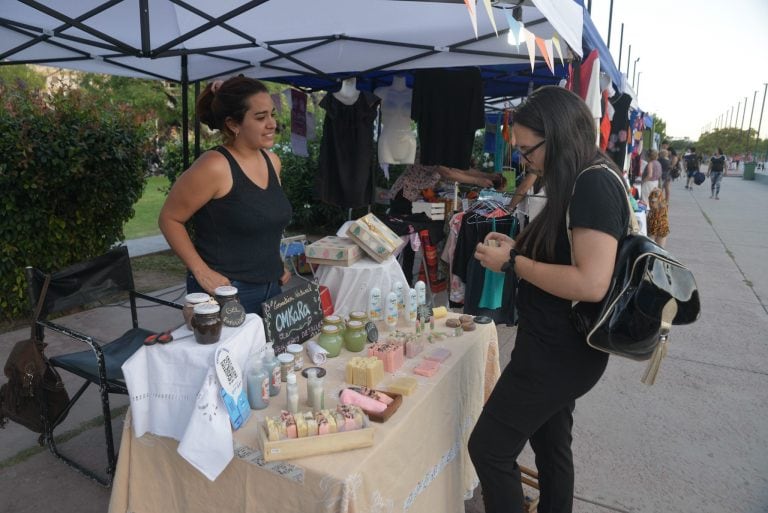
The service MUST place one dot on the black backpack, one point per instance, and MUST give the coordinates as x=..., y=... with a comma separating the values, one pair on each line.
x=692, y=162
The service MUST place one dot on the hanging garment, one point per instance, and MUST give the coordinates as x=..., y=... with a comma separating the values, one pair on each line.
x=469, y=270
x=345, y=168
x=448, y=108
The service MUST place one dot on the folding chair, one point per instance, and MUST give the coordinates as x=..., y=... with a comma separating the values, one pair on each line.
x=99, y=281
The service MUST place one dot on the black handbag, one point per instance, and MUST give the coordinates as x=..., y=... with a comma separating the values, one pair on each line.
x=650, y=291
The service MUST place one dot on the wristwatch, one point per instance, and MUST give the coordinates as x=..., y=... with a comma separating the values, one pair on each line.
x=509, y=265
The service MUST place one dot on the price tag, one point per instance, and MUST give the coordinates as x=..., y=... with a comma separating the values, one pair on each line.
x=232, y=314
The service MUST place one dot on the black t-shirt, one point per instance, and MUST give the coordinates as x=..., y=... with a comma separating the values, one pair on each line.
x=599, y=203
x=718, y=163
x=691, y=162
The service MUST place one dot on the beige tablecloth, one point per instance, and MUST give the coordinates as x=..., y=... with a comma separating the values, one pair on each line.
x=418, y=462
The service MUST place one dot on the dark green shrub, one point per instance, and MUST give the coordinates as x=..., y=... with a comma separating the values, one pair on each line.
x=72, y=168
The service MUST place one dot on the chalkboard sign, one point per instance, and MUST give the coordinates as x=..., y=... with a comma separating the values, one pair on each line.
x=293, y=316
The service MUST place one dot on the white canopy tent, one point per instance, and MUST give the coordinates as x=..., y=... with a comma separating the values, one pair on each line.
x=192, y=40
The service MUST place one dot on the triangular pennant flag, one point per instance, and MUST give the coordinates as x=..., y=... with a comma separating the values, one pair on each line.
x=472, y=14
x=543, y=50
x=556, y=44
x=550, y=55
x=530, y=42
x=513, y=36
x=489, y=10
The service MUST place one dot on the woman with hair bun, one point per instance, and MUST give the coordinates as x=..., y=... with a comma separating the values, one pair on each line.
x=232, y=195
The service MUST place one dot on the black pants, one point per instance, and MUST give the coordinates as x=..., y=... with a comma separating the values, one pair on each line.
x=494, y=448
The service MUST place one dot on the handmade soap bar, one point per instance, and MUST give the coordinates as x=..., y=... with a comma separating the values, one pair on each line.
x=439, y=354
x=439, y=312
x=364, y=371
x=403, y=386
x=349, y=396
x=391, y=353
x=427, y=368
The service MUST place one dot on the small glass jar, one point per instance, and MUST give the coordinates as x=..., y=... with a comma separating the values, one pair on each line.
x=226, y=293
x=354, y=337
x=297, y=350
x=358, y=316
x=286, y=365
x=330, y=340
x=206, y=323
x=190, y=300
x=334, y=320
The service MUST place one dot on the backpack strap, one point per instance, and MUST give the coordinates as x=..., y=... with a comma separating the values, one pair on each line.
x=634, y=226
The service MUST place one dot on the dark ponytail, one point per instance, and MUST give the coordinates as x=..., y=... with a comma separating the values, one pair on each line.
x=220, y=101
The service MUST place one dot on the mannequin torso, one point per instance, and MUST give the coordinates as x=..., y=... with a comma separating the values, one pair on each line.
x=397, y=142
x=348, y=94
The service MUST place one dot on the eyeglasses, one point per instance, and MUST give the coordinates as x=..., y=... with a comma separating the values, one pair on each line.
x=530, y=150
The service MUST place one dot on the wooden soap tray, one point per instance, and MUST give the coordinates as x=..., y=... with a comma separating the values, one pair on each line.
x=391, y=409
x=314, y=445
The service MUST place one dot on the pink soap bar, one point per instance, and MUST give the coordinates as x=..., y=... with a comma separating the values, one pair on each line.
x=427, y=372
x=429, y=364
x=439, y=355
x=366, y=403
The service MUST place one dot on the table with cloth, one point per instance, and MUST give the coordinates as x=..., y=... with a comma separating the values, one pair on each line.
x=418, y=461
x=349, y=286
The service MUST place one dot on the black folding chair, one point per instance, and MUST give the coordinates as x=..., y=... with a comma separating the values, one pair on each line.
x=102, y=280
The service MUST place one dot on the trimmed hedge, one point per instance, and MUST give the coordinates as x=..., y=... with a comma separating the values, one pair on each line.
x=72, y=168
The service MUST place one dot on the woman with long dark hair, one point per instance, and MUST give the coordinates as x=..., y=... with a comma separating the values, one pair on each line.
x=551, y=364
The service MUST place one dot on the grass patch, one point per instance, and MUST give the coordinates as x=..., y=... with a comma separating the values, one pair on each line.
x=144, y=222
x=24, y=455
x=165, y=261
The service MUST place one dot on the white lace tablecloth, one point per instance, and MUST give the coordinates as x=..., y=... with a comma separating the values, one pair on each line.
x=349, y=286
x=173, y=392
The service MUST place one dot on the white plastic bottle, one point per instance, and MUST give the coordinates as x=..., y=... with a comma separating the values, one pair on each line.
x=421, y=292
x=374, y=304
x=398, y=288
x=413, y=307
x=292, y=394
x=272, y=367
x=391, y=317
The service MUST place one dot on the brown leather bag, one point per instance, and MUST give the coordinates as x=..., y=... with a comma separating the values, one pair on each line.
x=34, y=395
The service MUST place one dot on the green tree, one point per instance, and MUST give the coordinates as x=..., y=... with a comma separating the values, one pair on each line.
x=733, y=141
x=14, y=74
x=73, y=166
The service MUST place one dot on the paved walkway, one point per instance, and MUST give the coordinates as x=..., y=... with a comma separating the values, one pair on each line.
x=695, y=441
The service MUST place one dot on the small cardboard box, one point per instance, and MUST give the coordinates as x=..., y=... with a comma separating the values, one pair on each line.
x=435, y=211
x=376, y=238
x=333, y=250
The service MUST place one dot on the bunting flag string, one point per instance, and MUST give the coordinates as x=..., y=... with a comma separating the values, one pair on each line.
x=518, y=33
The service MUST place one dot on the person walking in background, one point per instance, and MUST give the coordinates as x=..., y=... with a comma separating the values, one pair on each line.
x=651, y=175
x=658, y=217
x=715, y=172
x=551, y=364
x=234, y=198
x=692, y=164
x=666, y=167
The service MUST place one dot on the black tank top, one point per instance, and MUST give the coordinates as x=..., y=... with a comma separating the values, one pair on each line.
x=238, y=235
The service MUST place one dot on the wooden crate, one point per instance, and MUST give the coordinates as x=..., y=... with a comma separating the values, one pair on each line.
x=314, y=445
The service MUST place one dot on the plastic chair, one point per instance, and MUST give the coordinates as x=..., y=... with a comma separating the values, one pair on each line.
x=99, y=281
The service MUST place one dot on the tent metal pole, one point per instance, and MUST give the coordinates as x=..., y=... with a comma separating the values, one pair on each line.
x=610, y=22
x=621, y=45
x=184, y=111
x=197, y=121
x=751, y=115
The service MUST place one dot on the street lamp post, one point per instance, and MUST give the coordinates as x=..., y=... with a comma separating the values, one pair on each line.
x=637, y=91
x=634, y=68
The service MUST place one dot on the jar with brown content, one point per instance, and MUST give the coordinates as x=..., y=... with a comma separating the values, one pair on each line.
x=206, y=323
x=190, y=300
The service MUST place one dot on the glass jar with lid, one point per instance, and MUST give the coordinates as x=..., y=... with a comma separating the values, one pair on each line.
x=232, y=313
x=334, y=320
x=226, y=293
x=354, y=337
x=330, y=340
x=190, y=300
x=206, y=323
x=358, y=316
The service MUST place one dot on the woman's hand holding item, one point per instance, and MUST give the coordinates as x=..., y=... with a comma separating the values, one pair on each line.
x=494, y=252
x=286, y=277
